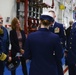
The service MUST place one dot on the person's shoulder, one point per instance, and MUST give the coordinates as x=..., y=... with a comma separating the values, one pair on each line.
x=33, y=33
x=12, y=31
x=54, y=35
x=4, y=28
x=59, y=24
x=74, y=27
x=74, y=24
x=22, y=31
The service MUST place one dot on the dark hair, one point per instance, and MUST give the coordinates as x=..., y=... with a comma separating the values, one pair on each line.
x=45, y=22
x=70, y=22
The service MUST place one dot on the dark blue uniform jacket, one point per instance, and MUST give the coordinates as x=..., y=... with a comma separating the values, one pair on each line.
x=42, y=45
x=4, y=41
x=71, y=46
x=59, y=30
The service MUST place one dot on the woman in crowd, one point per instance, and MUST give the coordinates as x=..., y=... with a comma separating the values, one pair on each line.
x=18, y=39
x=44, y=48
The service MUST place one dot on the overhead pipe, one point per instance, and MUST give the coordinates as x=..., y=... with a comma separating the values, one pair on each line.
x=26, y=16
x=52, y=6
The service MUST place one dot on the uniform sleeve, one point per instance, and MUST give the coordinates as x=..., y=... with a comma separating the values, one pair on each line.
x=28, y=50
x=5, y=41
x=7, y=44
x=24, y=40
x=3, y=56
x=0, y=46
x=58, y=49
x=62, y=36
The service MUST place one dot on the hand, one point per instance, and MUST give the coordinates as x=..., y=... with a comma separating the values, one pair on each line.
x=22, y=51
x=65, y=53
x=9, y=59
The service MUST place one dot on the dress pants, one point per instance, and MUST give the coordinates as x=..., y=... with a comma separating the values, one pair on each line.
x=1, y=67
x=72, y=69
x=24, y=68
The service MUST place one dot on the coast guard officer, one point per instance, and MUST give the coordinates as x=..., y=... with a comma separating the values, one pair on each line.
x=41, y=46
x=71, y=48
x=58, y=29
x=68, y=30
x=4, y=44
x=3, y=58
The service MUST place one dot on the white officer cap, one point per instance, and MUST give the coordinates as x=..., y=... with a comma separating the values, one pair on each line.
x=47, y=13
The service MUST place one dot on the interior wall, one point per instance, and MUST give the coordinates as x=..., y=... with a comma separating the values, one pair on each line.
x=62, y=16
x=58, y=12
x=7, y=10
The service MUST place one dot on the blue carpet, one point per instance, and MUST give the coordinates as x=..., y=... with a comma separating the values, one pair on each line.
x=18, y=70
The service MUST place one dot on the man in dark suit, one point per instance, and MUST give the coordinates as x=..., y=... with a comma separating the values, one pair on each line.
x=71, y=50
x=58, y=29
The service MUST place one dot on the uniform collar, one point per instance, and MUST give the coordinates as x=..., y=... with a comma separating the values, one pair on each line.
x=43, y=29
x=52, y=25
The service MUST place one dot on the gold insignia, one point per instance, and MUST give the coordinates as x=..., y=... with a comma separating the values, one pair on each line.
x=56, y=30
x=1, y=31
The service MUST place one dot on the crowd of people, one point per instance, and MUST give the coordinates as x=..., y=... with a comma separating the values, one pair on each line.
x=45, y=47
